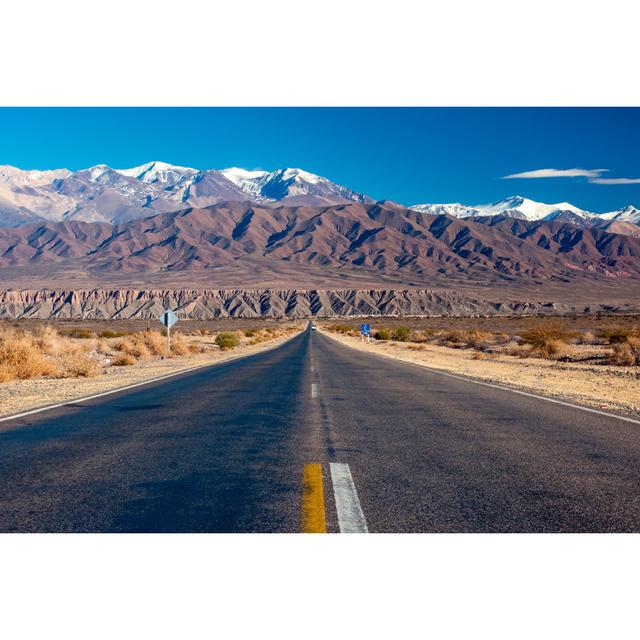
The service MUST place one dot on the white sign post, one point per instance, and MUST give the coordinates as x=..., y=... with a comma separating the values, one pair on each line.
x=169, y=318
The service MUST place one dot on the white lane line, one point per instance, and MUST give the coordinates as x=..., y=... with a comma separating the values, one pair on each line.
x=350, y=516
x=49, y=407
x=489, y=384
x=314, y=390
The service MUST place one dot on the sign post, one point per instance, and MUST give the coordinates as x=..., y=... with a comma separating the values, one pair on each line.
x=365, y=332
x=169, y=318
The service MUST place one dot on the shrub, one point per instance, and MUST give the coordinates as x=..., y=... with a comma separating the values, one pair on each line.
x=178, y=345
x=21, y=357
x=627, y=353
x=587, y=337
x=478, y=339
x=382, y=334
x=617, y=335
x=454, y=337
x=551, y=350
x=227, y=340
x=540, y=336
x=401, y=334
x=250, y=333
x=77, y=364
x=123, y=360
x=156, y=342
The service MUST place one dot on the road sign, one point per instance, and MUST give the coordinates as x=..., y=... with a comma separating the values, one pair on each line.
x=365, y=329
x=169, y=318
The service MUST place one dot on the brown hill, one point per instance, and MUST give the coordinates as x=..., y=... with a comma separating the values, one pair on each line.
x=246, y=245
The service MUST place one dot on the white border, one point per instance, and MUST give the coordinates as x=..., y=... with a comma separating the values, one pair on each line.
x=287, y=52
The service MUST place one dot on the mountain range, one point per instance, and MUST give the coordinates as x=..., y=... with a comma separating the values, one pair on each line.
x=104, y=194
x=625, y=221
x=242, y=244
x=178, y=228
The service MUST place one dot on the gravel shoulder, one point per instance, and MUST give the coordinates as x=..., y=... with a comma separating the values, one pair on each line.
x=613, y=388
x=23, y=395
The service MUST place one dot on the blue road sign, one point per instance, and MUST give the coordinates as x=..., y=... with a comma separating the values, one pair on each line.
x=169, y=318
x=365, y=329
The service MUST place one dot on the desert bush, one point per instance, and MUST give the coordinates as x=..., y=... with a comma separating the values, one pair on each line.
x=250, y=333
x=123, y=360
x=21, y=357
x=382, y=334
x=78, y=364
x=342, y=328
x=6, y=373
x=421, y=335
x=102, y=347
x=551, y=349
x=401, y=334
x=227, y=340
x=617, y=335
x=627, y=353
x=540, y=337
x=179, y=346
x=156, y=343
x=588, y=337
x=480, y=340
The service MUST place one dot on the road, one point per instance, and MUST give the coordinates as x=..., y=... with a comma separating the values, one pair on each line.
x=316, y=436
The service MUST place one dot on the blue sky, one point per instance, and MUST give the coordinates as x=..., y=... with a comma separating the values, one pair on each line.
x=409, y=155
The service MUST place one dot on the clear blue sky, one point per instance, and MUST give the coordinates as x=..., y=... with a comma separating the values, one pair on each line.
x=407, y=155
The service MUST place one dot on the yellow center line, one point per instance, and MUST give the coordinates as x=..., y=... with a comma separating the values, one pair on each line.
x=312, y=518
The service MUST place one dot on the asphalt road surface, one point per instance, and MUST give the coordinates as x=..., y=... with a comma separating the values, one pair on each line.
x=315, y=436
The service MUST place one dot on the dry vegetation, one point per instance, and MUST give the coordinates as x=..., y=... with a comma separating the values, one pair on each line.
x=44, y=351
x=594, y=340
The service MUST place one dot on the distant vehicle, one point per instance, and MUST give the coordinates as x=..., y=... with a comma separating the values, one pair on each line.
x=313, y=326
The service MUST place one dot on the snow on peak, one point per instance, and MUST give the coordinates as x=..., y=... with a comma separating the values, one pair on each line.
x=33, y=177
x=514, y=206
x=630, y=213
x=299, y=175
x=275, y=184
x=157, y=171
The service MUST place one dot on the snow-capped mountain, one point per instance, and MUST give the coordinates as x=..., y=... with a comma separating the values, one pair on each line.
x=514, y=207
x=293, y=185
x=159, y=172
x=625, y=221
x=103, y=194
x=626, y=214
x=250, y=182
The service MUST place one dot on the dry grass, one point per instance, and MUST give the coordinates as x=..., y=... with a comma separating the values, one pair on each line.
x=45, y=352
x=78, y=364
x=22, y=356
x=590, y=340
x=626, y=353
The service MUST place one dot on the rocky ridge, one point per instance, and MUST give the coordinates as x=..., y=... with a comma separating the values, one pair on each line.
x=204, y=304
